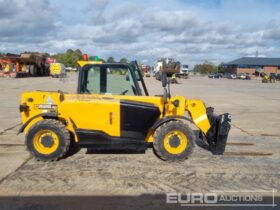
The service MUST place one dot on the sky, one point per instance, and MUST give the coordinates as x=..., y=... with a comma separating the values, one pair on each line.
x=191, y=31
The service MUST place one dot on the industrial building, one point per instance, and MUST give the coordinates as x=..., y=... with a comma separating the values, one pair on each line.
x=253, y=66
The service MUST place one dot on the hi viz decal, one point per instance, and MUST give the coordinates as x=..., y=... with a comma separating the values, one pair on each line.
x=200, y=119
x=49, y=104
x=49, y=100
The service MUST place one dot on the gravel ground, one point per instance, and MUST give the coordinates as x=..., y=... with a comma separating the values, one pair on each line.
x=251, y=162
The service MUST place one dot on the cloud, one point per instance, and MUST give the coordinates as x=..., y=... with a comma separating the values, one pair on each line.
x=165, y=21
x=25, y=20
x=96, y=9
x=192, y=31
x=272, y=30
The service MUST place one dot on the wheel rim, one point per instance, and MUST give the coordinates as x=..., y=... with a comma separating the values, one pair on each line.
x=175, y=142
x=46, y=142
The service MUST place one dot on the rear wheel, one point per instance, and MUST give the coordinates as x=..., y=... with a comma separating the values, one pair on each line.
x=173, y=140
x=48, y=140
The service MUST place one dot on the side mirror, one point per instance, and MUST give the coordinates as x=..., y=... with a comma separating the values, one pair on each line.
x=164, y=79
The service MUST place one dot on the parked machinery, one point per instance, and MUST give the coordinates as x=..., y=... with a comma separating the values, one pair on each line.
x=269, y=78
x=29, y=64
x=57, y=70
x=113, y=110
x=166, y=65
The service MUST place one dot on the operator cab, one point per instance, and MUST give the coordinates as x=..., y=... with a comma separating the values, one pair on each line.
x=111, y=79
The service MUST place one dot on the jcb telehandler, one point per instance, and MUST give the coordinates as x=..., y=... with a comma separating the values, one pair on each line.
x=112, y=109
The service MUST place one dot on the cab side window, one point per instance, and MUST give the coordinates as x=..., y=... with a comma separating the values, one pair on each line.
x=113, y=80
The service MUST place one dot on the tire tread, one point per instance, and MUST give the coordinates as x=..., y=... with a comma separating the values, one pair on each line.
x=157, y=139
x=56, y=124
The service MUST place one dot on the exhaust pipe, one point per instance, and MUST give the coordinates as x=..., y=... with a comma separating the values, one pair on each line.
x=218, y=133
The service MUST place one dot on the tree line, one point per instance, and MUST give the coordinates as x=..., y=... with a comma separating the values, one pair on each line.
x=70, y=58
x=208, y=68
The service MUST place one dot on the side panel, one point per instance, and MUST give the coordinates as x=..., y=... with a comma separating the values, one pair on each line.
x=98, y=114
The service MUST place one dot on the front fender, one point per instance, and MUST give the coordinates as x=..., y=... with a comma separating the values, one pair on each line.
x=170, y=118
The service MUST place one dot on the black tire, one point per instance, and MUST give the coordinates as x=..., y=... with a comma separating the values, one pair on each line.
x=54, y=126
x=160, y=135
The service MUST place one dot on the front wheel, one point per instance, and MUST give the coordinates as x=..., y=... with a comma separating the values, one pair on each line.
x=48, y=140
x=173, y=140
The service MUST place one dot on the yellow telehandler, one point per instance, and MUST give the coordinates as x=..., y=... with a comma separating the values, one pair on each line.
x=113, y=110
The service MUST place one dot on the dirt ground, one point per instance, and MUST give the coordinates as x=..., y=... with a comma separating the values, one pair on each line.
x=251, y=162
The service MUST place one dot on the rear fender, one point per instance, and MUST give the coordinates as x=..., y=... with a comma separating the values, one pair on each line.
x=35, y=119
x=69, y=123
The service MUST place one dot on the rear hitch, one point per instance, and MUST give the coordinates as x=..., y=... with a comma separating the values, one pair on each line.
x=218, y=133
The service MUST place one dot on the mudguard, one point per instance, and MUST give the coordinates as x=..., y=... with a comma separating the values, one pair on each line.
x=48, y=114
x=169, y=118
